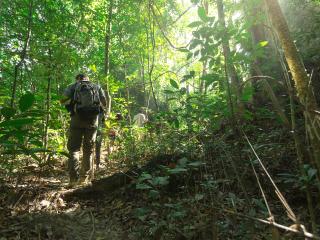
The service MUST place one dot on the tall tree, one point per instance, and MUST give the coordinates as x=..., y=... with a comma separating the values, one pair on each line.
x=258, y=35
x=299, y=75
x=23, y=53
x=230, y=69
x=107, y=51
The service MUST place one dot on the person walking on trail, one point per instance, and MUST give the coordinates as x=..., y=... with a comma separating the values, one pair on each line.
x=139, y=119
x=85, y=101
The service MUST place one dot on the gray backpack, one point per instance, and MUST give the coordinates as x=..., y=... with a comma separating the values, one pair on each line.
x=86, y=99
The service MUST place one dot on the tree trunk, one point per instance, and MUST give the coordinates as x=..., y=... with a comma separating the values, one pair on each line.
x=48, y=104
x=257, y=31
x=299, y=75
x=294, y=61
x=142, y=75
x=151, y=59
x=107, y=53
x=127, y=92
x=274, y=100
x=204, y=64
x=303, y=87
x=22, y=55
x=232, y=74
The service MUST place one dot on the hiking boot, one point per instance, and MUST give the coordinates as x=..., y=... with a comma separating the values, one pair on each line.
x=73, y=181
x=84, y=179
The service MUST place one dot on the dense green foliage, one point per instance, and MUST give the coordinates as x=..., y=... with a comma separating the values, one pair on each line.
x=205, y=72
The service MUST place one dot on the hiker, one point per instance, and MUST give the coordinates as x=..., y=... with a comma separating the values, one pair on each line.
x=114, y=132
x=139, y=119
x=85, y=101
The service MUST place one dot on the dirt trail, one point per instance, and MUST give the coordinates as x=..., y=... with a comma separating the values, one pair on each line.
x=34, y=209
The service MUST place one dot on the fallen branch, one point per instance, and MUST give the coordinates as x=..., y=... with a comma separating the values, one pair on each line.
x=100, y=187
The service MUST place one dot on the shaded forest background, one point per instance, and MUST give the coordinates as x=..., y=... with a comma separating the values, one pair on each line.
x=230, y=92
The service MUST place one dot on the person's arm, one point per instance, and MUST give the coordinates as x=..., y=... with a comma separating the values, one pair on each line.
x=67, y=95
x=65, y=100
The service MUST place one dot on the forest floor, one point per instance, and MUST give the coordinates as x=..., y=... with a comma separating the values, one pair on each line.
x=34, y=206
x=34, y=209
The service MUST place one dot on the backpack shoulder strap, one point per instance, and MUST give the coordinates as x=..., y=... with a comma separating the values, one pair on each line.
x=96, y=89
x=77, y=90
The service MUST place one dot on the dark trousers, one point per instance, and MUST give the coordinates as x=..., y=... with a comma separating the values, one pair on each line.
x=78, y=137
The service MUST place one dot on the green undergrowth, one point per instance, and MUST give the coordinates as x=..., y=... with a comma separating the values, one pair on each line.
x=202, y=185
x=208, y=190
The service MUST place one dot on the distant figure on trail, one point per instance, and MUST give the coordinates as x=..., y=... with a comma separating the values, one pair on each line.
x=85, y=101
x=114, y=132
x=139, y=120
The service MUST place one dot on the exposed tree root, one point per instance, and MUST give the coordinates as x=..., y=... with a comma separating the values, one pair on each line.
x=106, y=185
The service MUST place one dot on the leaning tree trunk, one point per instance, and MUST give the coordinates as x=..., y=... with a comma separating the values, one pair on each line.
x=107, y=52
x=294, y=61
x=299, y=75
x=302, y=85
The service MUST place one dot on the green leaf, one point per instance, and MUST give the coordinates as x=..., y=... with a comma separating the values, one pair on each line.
x=263, y=43
x=178, y=214
x=248, y=115
x=167, y=91
x=211, y=63
x=186, y=77
x=182, y=161
x=93, y=68
x=198, y=196
x=154, y=194
x=26, y=102
x=312, y=172
x=194, y=43
x=144, y=176
x=196, y=164
x=143, y=186
x=38, y=150
x=177, y=170
x=196, y=53
x=141, y=213
x=195, y=24
x=176, y=123
x=247, y=94
x=202, y=14
x=183, y=50
x=8, y=112
x=174, y=84
x=160, y=181
x=183, y=91
x=17, y=122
